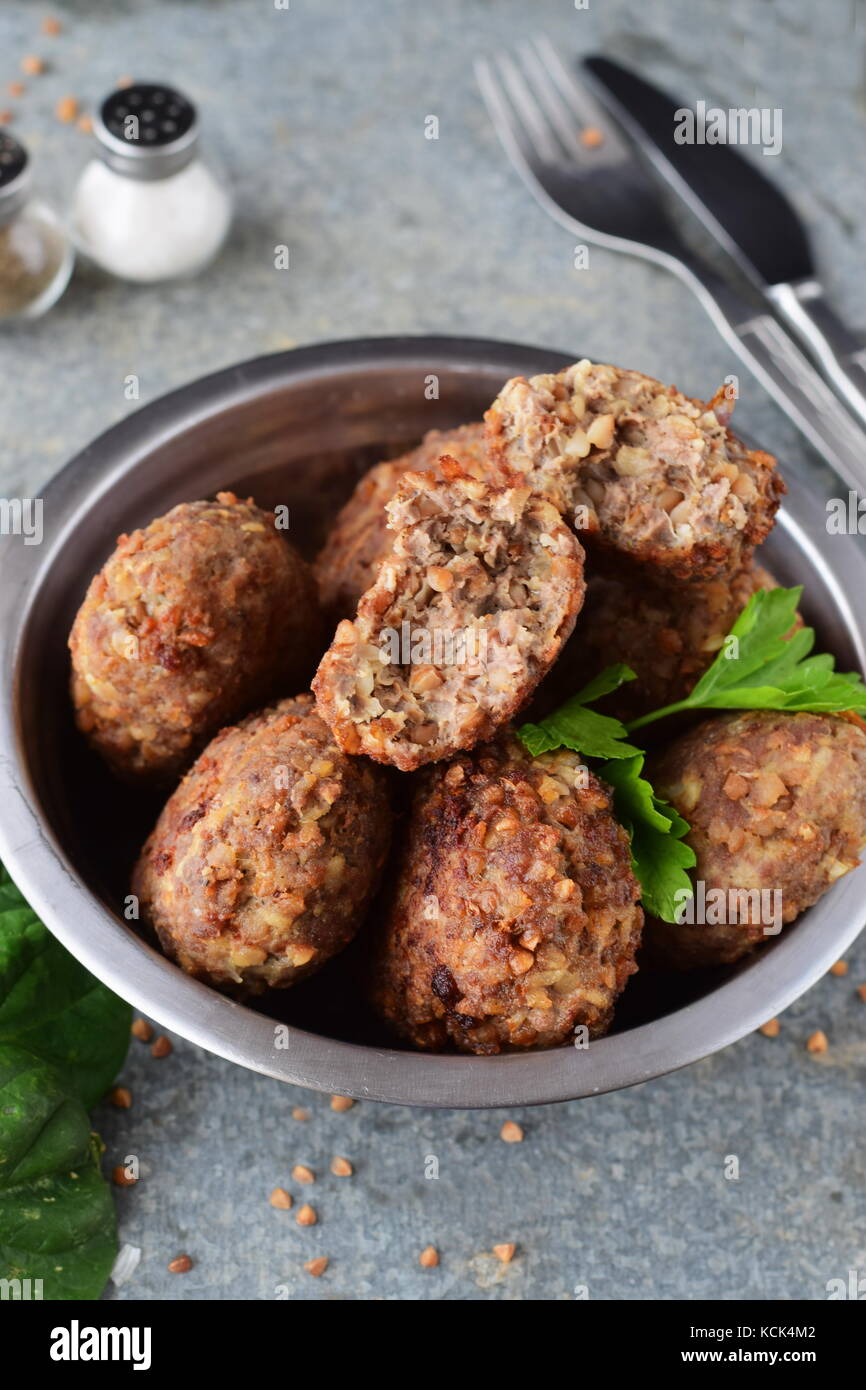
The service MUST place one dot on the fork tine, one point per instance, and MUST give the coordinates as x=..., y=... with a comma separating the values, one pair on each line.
x=583, y=105
x=533, y=118
x=508, y=126
x=559, y=113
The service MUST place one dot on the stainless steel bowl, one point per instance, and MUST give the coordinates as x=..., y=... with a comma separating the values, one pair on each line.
x=298, y=428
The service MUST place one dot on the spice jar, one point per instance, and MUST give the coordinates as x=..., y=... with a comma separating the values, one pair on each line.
x=35, y=255
x=148, y=208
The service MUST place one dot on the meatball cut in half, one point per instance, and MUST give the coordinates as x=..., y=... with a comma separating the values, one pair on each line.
x=265, y=858
x=203, y=615
x=466, y=615
x=653, y=475
x=359, y=540
x=777, y=808
x=515, y=913
x=666, y=633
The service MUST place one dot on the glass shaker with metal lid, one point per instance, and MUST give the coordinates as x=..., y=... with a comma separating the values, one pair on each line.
x=35, y=255
x=149, y=208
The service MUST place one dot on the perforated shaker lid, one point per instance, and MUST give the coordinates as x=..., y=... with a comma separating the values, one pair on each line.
x=147, y=130
x=14, y=173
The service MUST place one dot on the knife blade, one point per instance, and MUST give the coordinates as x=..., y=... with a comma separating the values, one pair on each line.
x=746, y=214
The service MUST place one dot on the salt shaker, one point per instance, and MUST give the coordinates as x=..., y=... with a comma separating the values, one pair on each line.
x=35, y=255
x=149, y=208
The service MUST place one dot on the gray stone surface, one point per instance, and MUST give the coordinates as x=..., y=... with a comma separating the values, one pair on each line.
x=319, y=113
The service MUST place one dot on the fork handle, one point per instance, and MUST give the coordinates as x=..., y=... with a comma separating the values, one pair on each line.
x=839, y=353
x=783, y=370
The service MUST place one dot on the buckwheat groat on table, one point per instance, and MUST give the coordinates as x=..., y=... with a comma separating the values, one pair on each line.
x=515, y=913
x=265, y=858
x=645, y=471
x=667, y=633
x=776, y=802
x=359, y=539
x=466, y=615
x=205, y=614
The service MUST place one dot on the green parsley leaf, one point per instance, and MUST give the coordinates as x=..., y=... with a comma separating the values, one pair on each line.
x=583, y=730
x=761, y=667
x=655, y=829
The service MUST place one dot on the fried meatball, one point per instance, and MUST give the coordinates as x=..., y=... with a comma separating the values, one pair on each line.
x=515, y=914
x=202, y=616
x=644, y=470
x=776, y=803
x=466, y=615
x=265, y=858
x=359, y=540
x=668, y=635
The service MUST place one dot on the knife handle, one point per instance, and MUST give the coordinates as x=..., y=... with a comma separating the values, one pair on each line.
x=782, y=369
x=804, y=306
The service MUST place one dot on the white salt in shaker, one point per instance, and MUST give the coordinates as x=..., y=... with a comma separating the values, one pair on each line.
x=148, y=207
x=35, y=255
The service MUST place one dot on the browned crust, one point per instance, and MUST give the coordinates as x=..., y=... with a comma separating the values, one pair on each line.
x=775, y=801
x=484, y=538
x=359, y=539
x=204, y=614
x=515, y=913
x=265, y=858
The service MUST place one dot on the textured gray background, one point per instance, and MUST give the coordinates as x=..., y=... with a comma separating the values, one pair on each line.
x=319, y=114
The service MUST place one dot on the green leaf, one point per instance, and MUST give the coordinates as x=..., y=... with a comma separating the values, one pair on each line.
x=52, y=1006
x=63, y=1038
x=56, y=1214
x=659, y=856
x=764, y=665
x=583, y=730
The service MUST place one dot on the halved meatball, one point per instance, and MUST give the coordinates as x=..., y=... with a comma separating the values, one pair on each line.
x=649, y=473
x=667, y=633
x=777, y=808
x=466, y=615
x=359, y=540
x=515, y=913
x=193, y=621
x=265, y=858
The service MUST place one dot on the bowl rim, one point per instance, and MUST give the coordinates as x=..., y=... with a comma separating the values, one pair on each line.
x=157, y=987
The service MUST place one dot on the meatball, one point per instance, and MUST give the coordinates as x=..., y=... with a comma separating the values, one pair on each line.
x=666, y=634
x=515, y=913
x=465, y=617
x=650, y=474
x=777, y=808
x=202, y=616
x=359, y=540
x=265, y=858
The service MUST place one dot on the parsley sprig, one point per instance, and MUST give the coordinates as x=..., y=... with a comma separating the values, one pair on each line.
x=761, y=667
x=763, y=664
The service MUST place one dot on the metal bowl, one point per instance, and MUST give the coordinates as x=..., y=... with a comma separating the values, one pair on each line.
x=298, y=428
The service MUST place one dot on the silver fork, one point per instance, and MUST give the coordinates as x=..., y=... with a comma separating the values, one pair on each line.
x=599, y=189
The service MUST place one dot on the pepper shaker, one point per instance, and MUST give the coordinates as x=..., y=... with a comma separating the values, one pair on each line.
x=35, y=255
x=148, y=207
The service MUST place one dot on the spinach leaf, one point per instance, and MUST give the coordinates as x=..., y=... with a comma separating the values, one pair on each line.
x=52, y=1006
x=63, y=1038
x=56, y=1214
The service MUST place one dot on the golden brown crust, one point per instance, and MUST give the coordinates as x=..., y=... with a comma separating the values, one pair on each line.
x=515, y=914
x=776, y=802
x=204, y=614
x=465, y=617
x=265, y=858
x=645, y=471
x=359, y=540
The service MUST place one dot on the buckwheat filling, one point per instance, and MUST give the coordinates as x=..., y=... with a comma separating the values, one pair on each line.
x=648, y=471
x=467, y=614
